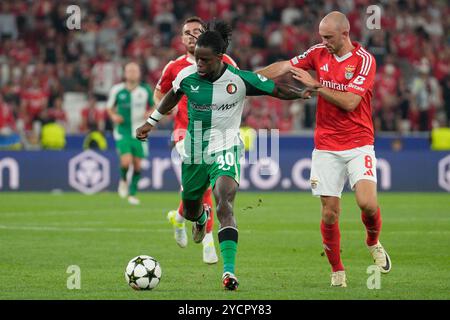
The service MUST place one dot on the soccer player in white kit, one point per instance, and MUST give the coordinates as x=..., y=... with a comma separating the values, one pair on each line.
x=344, y=134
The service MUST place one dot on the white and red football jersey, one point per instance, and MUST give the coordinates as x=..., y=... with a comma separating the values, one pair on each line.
x=164, y=84
x=337, y=129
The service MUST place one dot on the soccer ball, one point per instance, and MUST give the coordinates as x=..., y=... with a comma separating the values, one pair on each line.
x=143, y=273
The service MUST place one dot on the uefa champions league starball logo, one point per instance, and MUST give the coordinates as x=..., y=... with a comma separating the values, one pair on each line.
x=444, y=173
x=89, y=172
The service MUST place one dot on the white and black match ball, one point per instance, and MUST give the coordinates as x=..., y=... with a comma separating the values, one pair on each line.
x=143, y=273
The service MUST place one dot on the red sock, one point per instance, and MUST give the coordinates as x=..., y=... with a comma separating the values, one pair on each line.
x=331, y=238
x=181, y=208
x=373, y=227
x=208, y=200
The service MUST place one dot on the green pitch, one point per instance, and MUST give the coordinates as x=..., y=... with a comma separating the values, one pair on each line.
x=279, y=253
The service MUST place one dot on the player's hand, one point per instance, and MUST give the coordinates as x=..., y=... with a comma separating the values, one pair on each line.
x=116, y=118
x=143, y=131
x=308, y=93
x=305, y=78
x=305, y=93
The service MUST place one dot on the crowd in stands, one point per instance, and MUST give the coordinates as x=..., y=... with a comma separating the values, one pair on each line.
x=41, y=59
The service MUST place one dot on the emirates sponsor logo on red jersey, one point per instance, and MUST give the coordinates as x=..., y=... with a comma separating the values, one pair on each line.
x=333, y=85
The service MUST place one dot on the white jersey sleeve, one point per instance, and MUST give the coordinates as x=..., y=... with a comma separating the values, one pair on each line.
x=113, y=95
x=176, y=84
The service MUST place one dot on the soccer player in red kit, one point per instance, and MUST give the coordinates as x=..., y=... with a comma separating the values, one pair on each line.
x=344, y=134
x=192, y=28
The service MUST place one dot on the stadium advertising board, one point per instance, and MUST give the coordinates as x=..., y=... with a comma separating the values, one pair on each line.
x=90, y=172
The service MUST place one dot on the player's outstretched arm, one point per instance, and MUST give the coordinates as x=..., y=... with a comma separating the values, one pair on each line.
x=168, y=102
x=114, y=116
x=275, y=70
x=288, y=92
x=157, y=96
x=347, y=101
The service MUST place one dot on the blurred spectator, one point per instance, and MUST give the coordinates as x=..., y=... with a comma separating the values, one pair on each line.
x=404, y=46
x=68, y=79
x=285, y=121
x=426, y=97
x=105, y=73
x=87, y=36
x=140, y=44
x=433, y=25
x=386, y=102
x=387, y=117
x=83, y=72
x=56, y=112
x=165, y=21
x=8, y=22
x=378, y=45
x=11, y=91
x=259, y=116
x=20, y=53
x=7, y=120
x=36, y=44
x=34, y=100
x=441, y=68
x=49, y=48
x=108, y=37
x=291, y=14
x=446, y=90
x=92, y=119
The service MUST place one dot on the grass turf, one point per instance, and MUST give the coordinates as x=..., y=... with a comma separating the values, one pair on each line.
x=279, y=252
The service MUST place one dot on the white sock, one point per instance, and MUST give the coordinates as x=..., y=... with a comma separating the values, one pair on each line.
x=179, y=218
x=208, y=238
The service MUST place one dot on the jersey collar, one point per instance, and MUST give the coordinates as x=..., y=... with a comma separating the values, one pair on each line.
x=189, y=59
x=347, y=55
x=222, y=72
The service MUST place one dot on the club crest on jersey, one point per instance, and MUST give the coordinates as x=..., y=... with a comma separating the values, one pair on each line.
x=231, y=88
x=349, y=71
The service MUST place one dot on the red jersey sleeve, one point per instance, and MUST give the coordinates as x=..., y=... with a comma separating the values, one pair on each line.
x=364, y=75
x=165, y=82
x=226, y=58
x=306, y=59
x=84, y=113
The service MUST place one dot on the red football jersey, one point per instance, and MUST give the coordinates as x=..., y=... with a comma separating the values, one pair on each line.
x=35, y=100
x=337, y=129
x=164, y=84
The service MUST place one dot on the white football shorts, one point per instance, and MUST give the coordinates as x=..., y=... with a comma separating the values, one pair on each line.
x=330, y=169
